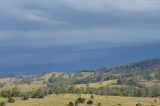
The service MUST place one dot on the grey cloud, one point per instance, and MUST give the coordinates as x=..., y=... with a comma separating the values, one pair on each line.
x=117, y=5
x=100, y=5
x=12, y=9
x=61, y=32
x=112, y=36
x=37, y=9
x=68, y=14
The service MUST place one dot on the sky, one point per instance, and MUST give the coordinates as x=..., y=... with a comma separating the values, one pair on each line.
x=71, y=35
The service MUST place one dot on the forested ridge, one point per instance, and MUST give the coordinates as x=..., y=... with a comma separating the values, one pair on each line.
x=139, y=79
x=141, y=66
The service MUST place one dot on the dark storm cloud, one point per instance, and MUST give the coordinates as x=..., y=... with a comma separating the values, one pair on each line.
x=31, y=31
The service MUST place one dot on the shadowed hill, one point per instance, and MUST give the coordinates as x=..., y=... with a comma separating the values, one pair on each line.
x=147, y=65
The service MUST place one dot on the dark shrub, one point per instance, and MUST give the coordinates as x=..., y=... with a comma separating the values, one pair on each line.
x=92, y=96
x=11, y=100
x=81, y=100
x=139, y=104
x=2, y=104
x=71, y=104
x=99, y=104
x=90, y=102
x=119, y=104
x=41, y=96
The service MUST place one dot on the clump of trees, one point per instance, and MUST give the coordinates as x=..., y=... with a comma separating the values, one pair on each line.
x=15, y=92
x=40, y=93
x=2, y=85
x=82, y=100
x=23, y=80
x=130, y=81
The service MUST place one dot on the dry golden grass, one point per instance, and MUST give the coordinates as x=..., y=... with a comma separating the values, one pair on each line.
x=47, y=76
x=63, y=100
x=98, y=84
x=150, y=83
x=24, y=87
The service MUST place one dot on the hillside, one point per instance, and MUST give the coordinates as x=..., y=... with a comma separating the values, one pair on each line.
x=148, y=69
x=128, y=81
x=141, y=66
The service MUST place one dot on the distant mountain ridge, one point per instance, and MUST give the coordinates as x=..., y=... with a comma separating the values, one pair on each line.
x=139, y=66
x=145, y=65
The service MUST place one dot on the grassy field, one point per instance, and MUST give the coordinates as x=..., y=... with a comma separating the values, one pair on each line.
x=63, y=100
x=24, y=87
x=98, y=84
x=150, y=83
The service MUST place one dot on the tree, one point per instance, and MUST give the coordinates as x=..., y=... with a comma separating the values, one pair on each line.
x=11, y=100
x=141, y=92
x=25, y=96
x=6, y=93
x=92, y=96
x=16, y=92
x=40, y=93
x=133, y=82
x=148, y=76
x=72, y=89
x=122, y=81
x=157, y=76
x=59, y=88
x=155, y=91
